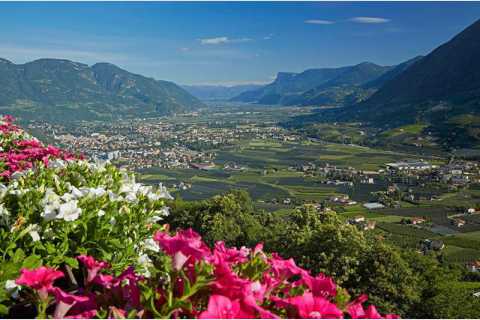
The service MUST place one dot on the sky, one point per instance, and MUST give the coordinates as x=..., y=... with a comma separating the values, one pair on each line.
x=228, y=43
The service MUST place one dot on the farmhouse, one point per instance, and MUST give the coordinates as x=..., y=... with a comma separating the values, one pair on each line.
x=473, y=266
x=458, y=222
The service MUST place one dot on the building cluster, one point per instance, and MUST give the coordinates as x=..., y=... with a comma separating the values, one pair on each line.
x=144, y=143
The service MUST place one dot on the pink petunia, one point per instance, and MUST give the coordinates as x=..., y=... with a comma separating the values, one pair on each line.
x=229, y=255
x=321, y=285
x=93, y=266
x=221, y=307
x=40, y=279
x=310, y=307
x=188, y=242
x=65, y=301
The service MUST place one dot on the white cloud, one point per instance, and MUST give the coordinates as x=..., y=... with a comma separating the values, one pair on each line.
x=318, y=21
x=268, y=37
x=373, y=20
x=222, y=40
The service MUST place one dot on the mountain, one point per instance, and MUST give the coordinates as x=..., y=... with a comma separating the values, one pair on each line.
x=313, y=86
x=391, y=74
x=55, y=89
x=217, y=92
x=442, y=89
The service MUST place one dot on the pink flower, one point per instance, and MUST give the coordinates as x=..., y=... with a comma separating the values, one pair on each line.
x=356, y=310
x=64, y=302
x=229, y=255
x=310, y=307
x=284, y=269
x=40, y=279
x=188, y=242
x=321, y=285
x=84, y=309
x=93, y=266
x=221, y=307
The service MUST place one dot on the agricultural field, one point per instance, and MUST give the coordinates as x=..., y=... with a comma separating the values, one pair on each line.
x=267, y=171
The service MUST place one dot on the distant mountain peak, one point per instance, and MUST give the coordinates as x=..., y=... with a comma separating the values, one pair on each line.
x=60, y=89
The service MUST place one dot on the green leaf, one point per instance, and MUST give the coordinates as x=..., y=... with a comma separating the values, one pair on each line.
x=72, y=262
x=19, y=255
x=32, y=262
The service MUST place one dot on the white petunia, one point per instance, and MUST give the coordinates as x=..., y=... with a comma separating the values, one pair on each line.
x=69, y=211
x=57, y=164
x=131, y=197
x=164, y=212
x=33, y=230
x=100, y=213
x=3, y=190
x=114, y=197
x=145, y=261
x=96, y=192
x=163, y=192
x=68, y=197
x=50, y=211
x=12, y=288
x=151, y=245
x=76, y=192
x=50, y=197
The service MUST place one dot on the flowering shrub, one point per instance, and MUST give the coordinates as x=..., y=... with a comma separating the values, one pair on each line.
x=83, y=240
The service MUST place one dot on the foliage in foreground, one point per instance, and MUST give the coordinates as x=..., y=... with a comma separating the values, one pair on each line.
x=397, y=280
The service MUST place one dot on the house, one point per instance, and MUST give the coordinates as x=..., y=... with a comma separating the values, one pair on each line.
x=361, y=223
x=417, y=220
x=373, y=205
x=473, y=266
x=458, y=222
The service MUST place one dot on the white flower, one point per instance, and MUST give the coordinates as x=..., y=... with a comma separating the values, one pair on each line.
x=3, y=190
x=113, y=221
x=163, y=192
x=144, y=190
x=145, y=262
x=33, y=232
x=76, y=192
x=151, y=245
x=69, y=211
x=12, y=288
x=131, y=197
x=17, y=175
x=96, y=192
x=164, y=212
x=50, y=211
x=4, y=216
x=114, y=197
x=57, y=163
x=67, y=197
x=50, y=197
x=100, y=213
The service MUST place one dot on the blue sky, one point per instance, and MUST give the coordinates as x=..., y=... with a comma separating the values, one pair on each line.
x=228, y=43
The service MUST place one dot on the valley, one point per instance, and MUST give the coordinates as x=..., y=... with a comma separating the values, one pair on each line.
x=228, y=147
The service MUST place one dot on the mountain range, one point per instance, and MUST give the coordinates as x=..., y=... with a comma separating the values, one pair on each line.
x=55, y=89
x=442, y=90
x=219, y=92
x=324, y=86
